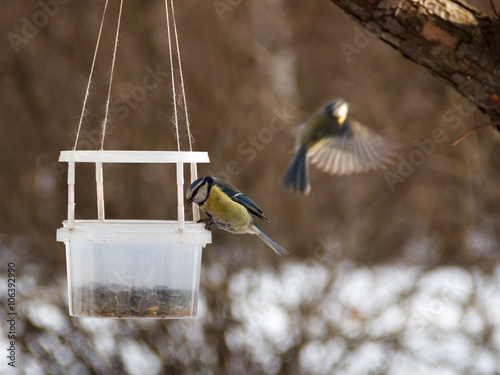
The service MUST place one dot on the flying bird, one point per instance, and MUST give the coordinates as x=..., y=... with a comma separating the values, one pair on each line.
x=336, y=145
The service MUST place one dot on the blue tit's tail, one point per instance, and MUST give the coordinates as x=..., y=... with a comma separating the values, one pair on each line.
x=278, y=249
x=295, y=177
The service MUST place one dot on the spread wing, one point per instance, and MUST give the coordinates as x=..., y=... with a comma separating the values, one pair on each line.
x=356, y=149
x=232, y=192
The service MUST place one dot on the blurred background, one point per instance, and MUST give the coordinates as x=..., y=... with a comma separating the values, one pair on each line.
x=388, y=271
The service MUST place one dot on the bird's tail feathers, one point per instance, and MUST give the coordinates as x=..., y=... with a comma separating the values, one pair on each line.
x=277, y=248
x=295, y=176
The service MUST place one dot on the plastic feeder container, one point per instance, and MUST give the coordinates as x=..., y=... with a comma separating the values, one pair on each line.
x=133, y=268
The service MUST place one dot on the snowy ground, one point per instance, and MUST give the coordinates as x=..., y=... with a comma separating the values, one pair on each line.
x=351, y=319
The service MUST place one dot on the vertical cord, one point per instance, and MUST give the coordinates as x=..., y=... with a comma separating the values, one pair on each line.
x=180, y=177
x=87, y=92
x=174, y=91
x=106, y=116
x=190, y=137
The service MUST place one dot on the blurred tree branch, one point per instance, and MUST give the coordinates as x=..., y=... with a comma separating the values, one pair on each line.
x=449, y=37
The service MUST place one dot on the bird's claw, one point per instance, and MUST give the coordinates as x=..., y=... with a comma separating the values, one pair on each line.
x=208, y=223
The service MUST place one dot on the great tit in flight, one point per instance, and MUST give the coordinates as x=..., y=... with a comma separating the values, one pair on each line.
x=229, y=209
x=336, y=145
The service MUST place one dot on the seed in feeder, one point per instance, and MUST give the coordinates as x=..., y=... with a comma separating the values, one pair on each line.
x=122, y=302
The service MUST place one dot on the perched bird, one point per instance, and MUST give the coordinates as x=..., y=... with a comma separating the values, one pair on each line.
x=336, y=145
x=229, y=209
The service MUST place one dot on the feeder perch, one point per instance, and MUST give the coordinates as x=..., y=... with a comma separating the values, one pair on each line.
x=133, y=268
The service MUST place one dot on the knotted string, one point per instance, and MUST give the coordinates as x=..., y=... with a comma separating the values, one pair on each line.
x=172, y=73
x=87, y=92
x=175, y=37
x=190, y=137
x=106, y=116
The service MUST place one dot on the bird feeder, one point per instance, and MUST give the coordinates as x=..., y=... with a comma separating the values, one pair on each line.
x=132, y=268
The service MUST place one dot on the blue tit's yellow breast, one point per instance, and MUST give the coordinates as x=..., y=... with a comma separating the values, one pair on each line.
x=227, y=212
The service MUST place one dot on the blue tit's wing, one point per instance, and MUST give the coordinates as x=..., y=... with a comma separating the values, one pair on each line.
x=232, y=192
x=356, y=149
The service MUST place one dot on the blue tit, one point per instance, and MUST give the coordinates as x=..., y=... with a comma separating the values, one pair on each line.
x=229, y=209
x=336, y=145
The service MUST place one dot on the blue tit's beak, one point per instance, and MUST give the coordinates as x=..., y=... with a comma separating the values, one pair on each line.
x=189, y=201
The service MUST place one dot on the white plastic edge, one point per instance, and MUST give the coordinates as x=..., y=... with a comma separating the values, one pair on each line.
x=131, y=232
x=86, y=156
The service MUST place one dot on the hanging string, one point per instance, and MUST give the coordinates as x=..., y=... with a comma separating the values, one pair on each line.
x=87, y=92
x=190, y=137
x=106, y=116
x=174, y=91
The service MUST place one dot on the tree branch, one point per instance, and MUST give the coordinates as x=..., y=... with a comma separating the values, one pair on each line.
x=449, y=37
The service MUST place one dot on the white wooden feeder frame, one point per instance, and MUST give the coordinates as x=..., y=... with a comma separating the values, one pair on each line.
x=159, y=157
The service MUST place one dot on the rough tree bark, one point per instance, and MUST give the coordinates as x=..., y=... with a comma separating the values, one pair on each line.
x=449, y=37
